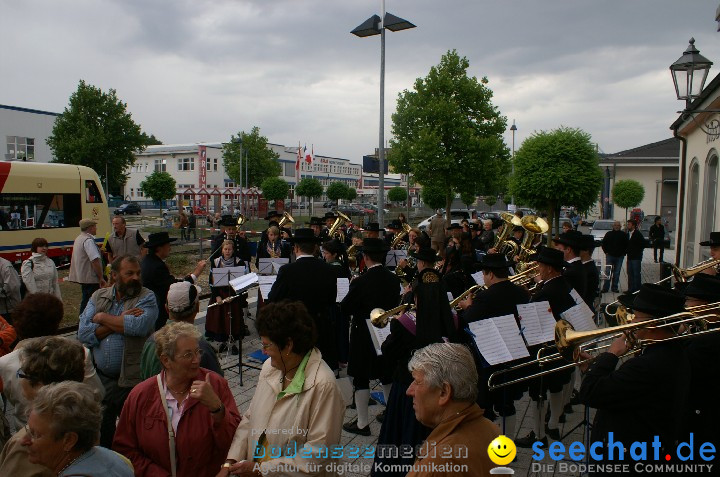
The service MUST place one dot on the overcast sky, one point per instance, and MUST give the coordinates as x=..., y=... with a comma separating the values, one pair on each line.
x=201, y=70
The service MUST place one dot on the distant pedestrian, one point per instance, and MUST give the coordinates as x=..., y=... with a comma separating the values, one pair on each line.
x=9, y=289
x=657, y=238
x=183, y=225
x=614, y=244
x=436, y=230
x=192, y=226
x=38, y=272
x=636, y=244
x=85, y=263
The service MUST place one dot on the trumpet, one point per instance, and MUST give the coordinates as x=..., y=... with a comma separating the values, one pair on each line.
x=286, y=218
x=380, y=318
x=570, y=343
x=519, y=279
x=683, y=274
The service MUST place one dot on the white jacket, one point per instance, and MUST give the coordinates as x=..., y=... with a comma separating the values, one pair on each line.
x=312, y=418
x=41, y=276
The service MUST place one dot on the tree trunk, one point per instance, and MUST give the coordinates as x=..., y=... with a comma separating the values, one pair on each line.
x=448, y=203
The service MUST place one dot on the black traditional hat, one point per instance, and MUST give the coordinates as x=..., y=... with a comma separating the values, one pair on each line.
x=304, y=235
x=475, y=226
x=334, y=246
x=157, y=239
x=372, y=227
x=495, y=260
x=374, y=245
x=425, y=254
x=518, y=228
x=454, y=227
x=656, y=300
x=571, y=238
x=272, y=213
x=395, y=225
x=550, y=256
x=703, y=286
x=714, y=240
x=329, y=215
x=316, y=221
x=587, y=242
x=227, y=221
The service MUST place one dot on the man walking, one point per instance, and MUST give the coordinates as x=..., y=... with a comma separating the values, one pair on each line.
x=636, y=244
x=657, y=238
x=614, y=244
x=436, y=230
x=85, y=263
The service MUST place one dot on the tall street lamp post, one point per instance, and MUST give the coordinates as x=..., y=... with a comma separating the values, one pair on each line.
x=376, y=25
x=513, y=128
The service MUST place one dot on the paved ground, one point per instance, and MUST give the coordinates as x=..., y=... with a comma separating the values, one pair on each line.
x=526, y=410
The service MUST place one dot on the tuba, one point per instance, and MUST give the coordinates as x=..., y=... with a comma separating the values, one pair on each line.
x=287, y=218
x=533, y=226
x=503, y=244
x=400, y=236
x=334, y=231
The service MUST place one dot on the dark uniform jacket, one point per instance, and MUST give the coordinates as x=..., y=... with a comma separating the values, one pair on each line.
x=557, y=292
x=703, y=413
x=282, y=246
x=314, y=283
x=636, y=244
x=576, y=276
x=643, y=398
x=156, y=276
x=378, y=287
x=615, y=243
x=592, y=282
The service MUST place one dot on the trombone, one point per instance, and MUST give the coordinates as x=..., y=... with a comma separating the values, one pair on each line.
x=380, y=318
x=519, y=279
x=570, y=343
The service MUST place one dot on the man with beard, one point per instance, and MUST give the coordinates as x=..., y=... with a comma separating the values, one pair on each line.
x=114, y=325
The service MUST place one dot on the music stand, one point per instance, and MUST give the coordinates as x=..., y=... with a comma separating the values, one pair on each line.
x=393, y=257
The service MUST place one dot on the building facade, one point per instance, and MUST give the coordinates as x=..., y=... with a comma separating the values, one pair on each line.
x=655, y=166
x=24, y=132
x=698, y=202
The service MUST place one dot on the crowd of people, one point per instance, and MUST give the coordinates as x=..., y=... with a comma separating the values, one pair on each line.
x=142, y=392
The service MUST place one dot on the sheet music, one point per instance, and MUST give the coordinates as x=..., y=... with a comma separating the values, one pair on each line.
x=510, y=333
x=394, y=256
x=450, y=297
x=266, y=283
x=343, y=285
x=479, y=278
x=537, y=321
x=270, y=266
x=580, y=317
x=378, y=335
x=244, y=282
x=576, y=296
x=511, y=271
x=222, y=276
x=489, y=342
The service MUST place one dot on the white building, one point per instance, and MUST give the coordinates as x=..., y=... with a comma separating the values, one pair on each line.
x=25, y=132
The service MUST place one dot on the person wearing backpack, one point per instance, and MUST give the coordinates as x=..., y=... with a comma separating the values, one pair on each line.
x=9, y=289
x=38, y=272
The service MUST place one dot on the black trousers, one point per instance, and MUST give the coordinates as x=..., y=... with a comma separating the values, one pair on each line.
x=113, y=402
x=658, y=245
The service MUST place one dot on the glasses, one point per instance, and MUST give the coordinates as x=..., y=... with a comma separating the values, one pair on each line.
x=32, y=434
x=266, y=345
x=191, y=354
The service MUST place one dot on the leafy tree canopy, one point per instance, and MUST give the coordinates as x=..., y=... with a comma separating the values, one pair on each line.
x=253, y=147
x=336, y=191
x=628, y=193
x=309, y=187
x=467, y=198
x=433, y=196
x=448, y=134
x=97, y=131
x=351, y=193
x=275, y=188
x=556, y=168
x=151, y=140
x=159, y=186
x=397, y=194
x=490, y=200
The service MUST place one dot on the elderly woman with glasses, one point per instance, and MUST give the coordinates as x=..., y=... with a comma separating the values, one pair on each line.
x=296, y=413
x=62, y=430
x=180, y=422
x=43, y=361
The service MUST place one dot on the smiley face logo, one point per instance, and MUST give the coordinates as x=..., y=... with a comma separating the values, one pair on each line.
x=502, y=450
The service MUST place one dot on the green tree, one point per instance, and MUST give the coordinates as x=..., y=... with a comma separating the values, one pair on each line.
x=159, y=186
x=468, y=199
x=507, y=198
x=490, y=200
x=433, y=196
x=97, y=131
x=275, y=188
x=397, y=194
x=627, y=193
x=151, y=140
x=557, y=168
x=262, y=162
x=448, y=134
x=336, y=191
x=309, y=187
x=351, y=194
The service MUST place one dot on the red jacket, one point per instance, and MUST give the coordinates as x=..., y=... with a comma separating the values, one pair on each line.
x=201, y=445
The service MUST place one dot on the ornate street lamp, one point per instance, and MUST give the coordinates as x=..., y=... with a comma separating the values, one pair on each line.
x=689, y=73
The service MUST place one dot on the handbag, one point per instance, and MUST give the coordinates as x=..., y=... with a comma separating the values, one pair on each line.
x=171, y=432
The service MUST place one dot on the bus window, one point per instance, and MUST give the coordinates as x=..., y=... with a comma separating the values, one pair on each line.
x=34, y=211
x=92, y=193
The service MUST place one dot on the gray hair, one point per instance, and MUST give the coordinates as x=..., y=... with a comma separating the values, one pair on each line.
x=167, y=336
x=70, y=407
x=450, y=363
x=487, y=221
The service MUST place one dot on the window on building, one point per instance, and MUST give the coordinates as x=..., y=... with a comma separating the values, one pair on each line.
x=160, y=165
x=140, y=193
x=215, y=164
x=146, y=167
x=709, y=202
x=20, y=148
x=693, y=186
x=186, y=164
x=289, y=169
x=207, y=163
x=132, y=192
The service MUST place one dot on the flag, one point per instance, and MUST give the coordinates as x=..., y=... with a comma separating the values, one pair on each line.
x=309, y=156
x=299, y=158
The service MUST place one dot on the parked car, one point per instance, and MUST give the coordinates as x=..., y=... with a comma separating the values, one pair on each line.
x=128, y=208
x=329, y=204
x=600, y=228
x=456, y=216
x=351, y=210
x=494, y=216
x=175, y=211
